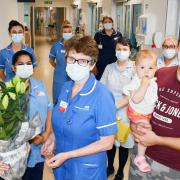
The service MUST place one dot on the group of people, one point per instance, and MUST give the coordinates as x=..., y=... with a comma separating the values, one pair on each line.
x=94, y=84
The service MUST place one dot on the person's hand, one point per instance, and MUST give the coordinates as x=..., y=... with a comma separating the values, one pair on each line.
x=28, y=147
x=139, y=129
x=3, y=168
x=57, y=160
x=48, y=147
x=37, y=140
x=145, y=81
x=148, y=139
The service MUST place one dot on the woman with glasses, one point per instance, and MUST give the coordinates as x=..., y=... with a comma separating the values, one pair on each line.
x=57, y=60
x=169, y=54
x=16, y=33
x=83, y=120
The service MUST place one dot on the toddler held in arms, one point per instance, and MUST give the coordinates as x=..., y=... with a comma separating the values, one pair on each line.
x=142, y=92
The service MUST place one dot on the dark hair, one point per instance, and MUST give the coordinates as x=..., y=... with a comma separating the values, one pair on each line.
x=86, y=45
x=13, y=23
x=107, y=17
x=20, y=53
x=124, y=41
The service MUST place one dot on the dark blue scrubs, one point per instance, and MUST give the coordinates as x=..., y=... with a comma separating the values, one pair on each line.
x=6, y=55
x=57, y=53
x=106, y=45
x=80, y=121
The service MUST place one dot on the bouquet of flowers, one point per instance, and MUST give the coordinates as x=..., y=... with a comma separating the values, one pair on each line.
x=15, y=127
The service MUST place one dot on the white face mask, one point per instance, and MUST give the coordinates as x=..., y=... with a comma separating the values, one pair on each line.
x=67, y=36
x=122, y=55
x=17, y=38
x=169, y=53
x=108, y=26
x=24, y=71
x=77, y=72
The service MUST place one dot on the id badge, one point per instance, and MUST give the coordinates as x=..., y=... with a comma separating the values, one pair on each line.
x=100, y=46
x=63, y=51
x=63, y=106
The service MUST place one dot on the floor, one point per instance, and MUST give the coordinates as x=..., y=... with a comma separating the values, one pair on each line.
x=44, y=71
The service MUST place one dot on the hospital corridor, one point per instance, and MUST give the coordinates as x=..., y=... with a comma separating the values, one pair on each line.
x=90, y=90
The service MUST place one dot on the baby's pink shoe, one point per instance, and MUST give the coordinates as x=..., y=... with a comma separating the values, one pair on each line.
x=141, y=163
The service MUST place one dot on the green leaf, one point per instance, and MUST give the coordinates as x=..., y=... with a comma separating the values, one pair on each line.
x=5, y=101
x=1, y=120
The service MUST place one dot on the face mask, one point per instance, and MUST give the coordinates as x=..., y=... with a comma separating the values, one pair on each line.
x=169, y=53
x=24, y=71
x=77, y=72
x=108, y=26
x=122, y=55
x=67, y=36
x=17, y=38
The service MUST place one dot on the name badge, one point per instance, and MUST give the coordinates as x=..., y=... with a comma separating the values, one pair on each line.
x=63, y=51
x=100, y=46
x=63, y=106
x=115, y=38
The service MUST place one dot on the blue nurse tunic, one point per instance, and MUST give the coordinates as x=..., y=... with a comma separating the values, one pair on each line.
x=6, y=55
x=57, y=53
x=79, y=122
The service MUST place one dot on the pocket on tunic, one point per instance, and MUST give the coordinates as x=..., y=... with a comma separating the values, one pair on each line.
x=89, y=171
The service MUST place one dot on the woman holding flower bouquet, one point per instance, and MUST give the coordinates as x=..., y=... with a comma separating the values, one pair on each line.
x=22, y=65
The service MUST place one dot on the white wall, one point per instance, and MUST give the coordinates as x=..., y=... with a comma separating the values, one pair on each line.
x=8, y=11
x=158, y=9
x=172, y=22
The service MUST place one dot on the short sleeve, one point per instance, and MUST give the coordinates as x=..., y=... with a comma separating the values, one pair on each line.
x=151, y=94
x=133, y=85
x=2, y=61
x=105, y=113
x=52, y=54
x=49, y=105
x=97, y=37
x=104, y=77
x=34, y=60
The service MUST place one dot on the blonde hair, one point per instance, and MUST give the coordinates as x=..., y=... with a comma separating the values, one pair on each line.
x=146, y=54
x=173, y=39
x=65, y=24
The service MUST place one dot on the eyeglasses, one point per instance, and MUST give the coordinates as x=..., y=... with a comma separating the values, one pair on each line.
x=81, y=62
x=168, y=47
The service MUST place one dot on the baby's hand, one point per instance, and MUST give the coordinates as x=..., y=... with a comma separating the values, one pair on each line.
x=145, y=81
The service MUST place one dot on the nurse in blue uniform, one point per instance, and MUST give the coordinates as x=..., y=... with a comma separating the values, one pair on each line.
x=83, y=119
x=16, y=32
x=57, y=60
x=106, y=45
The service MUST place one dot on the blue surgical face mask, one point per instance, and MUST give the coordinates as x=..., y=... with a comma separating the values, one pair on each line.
x=169, y=53
x=67, y=36
x=122, y=55
x=17, y=38
x=108, y=26
x=77, y=72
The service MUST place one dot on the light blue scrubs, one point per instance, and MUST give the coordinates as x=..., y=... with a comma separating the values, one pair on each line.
x=57, y=53
x=6, y=55
x=38, y=102
x=79, y=122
